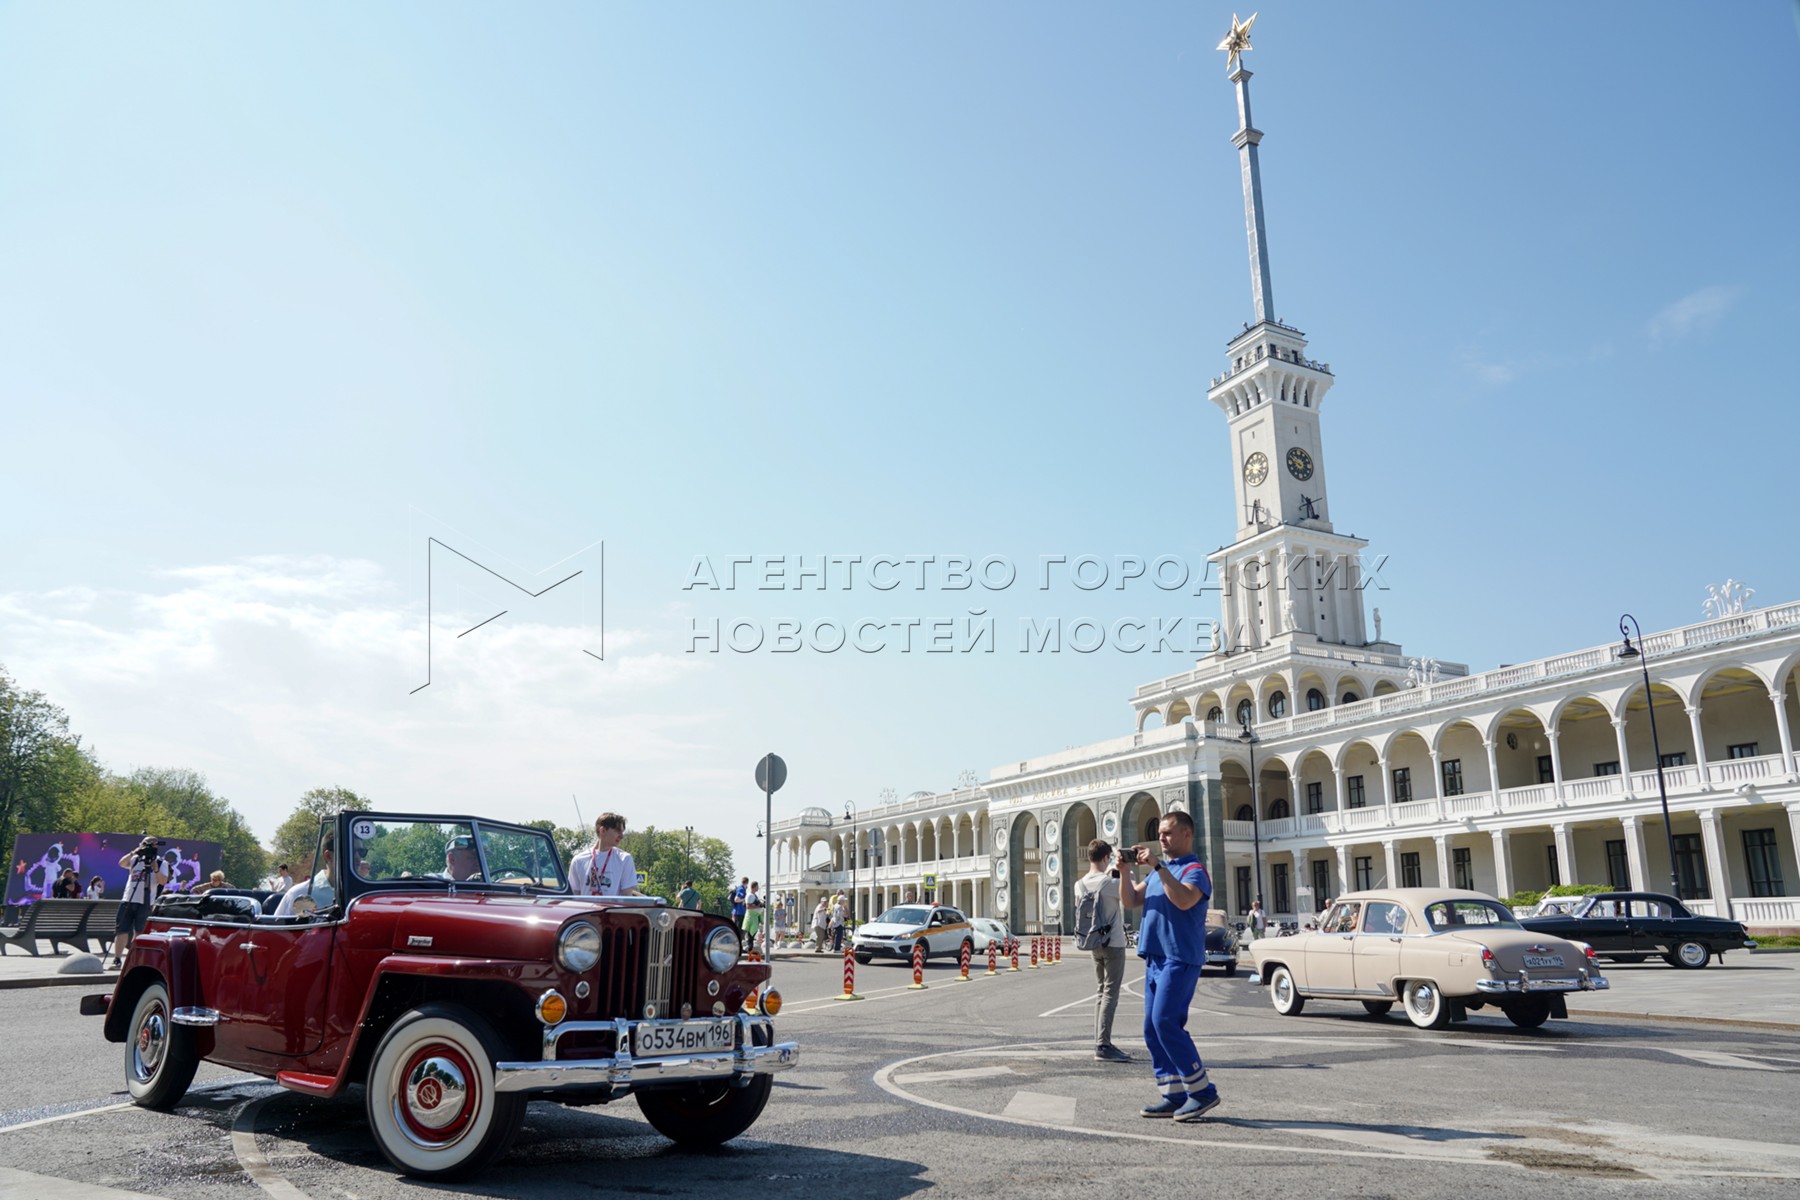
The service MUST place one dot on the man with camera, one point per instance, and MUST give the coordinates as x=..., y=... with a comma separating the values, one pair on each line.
x=146, y=874
x=1172, y=943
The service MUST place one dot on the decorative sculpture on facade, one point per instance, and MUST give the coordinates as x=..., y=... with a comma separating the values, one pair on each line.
x=1378, y=624
x=1727, y=600
x=1421, y=672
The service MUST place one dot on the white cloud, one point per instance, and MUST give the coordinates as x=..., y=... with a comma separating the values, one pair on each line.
x=277, y=674
x=1694, y=313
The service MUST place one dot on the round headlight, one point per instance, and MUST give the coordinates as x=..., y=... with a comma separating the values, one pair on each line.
x=578, y=947
x=722, y=948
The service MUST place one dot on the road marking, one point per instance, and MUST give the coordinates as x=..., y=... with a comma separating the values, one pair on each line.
x=23, y=1185
x=945, y=1076
x=1070, y=1004
x=1036, y=1106
x=243, y=1144
x=86, y=1112
x=1718, y=1058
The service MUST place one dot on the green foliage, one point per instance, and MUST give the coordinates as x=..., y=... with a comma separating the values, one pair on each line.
x=662, y=855
x=1528, y=899
x=296, y=837
x=418, y=849
x=196, y=811
x=41, y=763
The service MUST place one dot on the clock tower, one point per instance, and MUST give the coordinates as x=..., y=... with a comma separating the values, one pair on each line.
x=1289, y=576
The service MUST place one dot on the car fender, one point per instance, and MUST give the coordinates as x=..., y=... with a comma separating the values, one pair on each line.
x=172, y=957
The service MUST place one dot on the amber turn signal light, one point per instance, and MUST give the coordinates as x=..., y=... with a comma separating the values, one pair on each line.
x=552, y=1008
x=771, y=1002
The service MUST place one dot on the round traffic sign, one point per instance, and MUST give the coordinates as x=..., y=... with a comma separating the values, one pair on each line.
x=771, y=773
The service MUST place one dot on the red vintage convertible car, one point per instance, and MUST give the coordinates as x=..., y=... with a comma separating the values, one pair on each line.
x=443, y=964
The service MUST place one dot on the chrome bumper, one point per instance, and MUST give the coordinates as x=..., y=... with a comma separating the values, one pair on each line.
x=625, y=1072
x=1598, y=983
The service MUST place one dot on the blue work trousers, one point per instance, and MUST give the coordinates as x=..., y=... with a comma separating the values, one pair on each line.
x=1168, y=991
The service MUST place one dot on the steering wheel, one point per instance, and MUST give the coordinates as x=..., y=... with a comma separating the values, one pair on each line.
x=510, y=875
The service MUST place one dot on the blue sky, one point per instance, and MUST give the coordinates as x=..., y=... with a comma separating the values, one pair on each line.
x=286, y=289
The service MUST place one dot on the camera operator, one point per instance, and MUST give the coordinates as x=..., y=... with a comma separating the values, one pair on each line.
x=146, y=875
x=1172, y=943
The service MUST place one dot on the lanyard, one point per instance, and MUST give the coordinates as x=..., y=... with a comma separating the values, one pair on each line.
x=596, y=873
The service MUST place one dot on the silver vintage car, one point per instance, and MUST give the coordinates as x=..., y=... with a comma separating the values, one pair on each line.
x=1440, y=953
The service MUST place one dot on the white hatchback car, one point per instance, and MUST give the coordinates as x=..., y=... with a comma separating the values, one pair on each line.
x=989, y=930
x=943, y=930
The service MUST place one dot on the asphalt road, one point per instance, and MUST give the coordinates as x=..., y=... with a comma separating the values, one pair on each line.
x=990, y=1088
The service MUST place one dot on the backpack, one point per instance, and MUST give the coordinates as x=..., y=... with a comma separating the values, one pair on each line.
x=1087, y=935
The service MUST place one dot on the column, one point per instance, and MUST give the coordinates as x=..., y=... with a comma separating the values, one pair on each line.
x=1443, y=859
x=1343, y=797
x=1493, y=765
x=1699, y=748
x=1779, y=700
x=1556, y=767
x=1437, y=783
x=1717, y=876
x=956, y=839
x=1502, y=863
x=1294, y=805
x=1624, y=753
x=1393, y=864
x=1635, y=863
x=1387, y=804
x=1565, y=854
x=1343, y=858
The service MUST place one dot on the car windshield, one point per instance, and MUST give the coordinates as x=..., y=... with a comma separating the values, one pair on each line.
x=910, y=915
x=387, y=849
x=1454, y=914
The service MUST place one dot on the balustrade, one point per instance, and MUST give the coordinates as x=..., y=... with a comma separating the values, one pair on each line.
x=1528, y=799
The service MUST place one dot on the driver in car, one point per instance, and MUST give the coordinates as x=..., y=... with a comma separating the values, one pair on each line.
x=461, y=863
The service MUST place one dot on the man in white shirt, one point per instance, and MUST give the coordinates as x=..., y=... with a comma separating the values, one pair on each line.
x=603, y=869
x=1102, y=881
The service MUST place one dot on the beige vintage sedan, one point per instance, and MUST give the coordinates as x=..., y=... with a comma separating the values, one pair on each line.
x=1439, y=953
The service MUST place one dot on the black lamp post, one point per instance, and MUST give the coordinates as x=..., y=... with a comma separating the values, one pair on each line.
x=688, y=873
x=1662, y=789
x=1249, y=740
x=850, y=816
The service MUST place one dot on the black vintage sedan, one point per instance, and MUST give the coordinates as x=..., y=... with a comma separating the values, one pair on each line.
x=1631, y=927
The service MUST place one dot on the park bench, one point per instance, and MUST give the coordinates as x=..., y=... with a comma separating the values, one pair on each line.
x=64, y=922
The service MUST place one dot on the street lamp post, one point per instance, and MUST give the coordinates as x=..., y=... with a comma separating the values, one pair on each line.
x=688, y=858
x=850, y=816
x=1662, y=789
x=1249, y=740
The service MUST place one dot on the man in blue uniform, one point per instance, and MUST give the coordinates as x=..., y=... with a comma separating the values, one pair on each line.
x=1172, y=943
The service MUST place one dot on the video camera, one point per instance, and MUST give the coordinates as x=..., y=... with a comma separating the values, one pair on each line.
x=148, y=850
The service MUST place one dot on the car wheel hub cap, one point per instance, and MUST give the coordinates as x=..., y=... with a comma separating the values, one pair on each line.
x=1693, y=954
x=152, y=1036
x=437, y=1096
x=1423, y=1000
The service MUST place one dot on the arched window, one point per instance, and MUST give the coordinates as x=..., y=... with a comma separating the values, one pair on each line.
x=1349, y=698
x=1243, y=813
x=1278, y=809
x=1245, y=710
x=1315, y=700
x=1215, y=713
x=1278, y=705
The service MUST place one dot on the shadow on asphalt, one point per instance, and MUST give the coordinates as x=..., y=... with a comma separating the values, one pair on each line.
x=1423, y=1133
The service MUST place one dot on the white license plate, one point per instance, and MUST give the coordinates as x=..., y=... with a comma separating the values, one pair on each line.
x=1543, y=960
x=684, y=1037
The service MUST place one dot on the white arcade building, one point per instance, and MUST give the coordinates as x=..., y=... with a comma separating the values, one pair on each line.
x=1367, y=766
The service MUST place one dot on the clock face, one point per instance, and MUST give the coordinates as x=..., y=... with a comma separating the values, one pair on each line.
x=1299, y=463
x=1256, y=468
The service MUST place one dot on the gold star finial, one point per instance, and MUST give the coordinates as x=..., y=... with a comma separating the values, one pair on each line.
x=1237, y=41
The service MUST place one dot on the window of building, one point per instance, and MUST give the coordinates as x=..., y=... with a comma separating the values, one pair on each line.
x=1607, y=768
x=1618, y=867
x=1742, y=750
x=1321, y=883
x=1243, y=889
x=1410, y=874
x=1764, y=861
x=1353, y=788
x=1244, y=813
x=1278, y=881
x=1462, y=859
x=1349, y=698
x=1245, y=710
x=1278, y=707
x=1677, y=759
x=1365, y=873
x=1215, y=713
x=1453, y=783
x=1690, y=868
x=1278, y=809
x=1555, y=869
x=1315, y=797
x=1402, y=785
x=1315, y=700
x=1546, y=769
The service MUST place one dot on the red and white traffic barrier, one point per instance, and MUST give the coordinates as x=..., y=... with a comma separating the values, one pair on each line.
x=918, y=983
x=993, y=949
x=1012, y=946
x=849, y=992
x=963, y=961
x=1034, y=952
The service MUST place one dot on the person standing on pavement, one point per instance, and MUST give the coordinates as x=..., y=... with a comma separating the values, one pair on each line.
x=1172, y=943
x=821, y=924
x=840, y=915
x=284, y=878
x=687, y=897
x=754, y=912
x=603, y=869
x=1102, y=882
x=147, y=873
x=1258, y=920
x=739, y=898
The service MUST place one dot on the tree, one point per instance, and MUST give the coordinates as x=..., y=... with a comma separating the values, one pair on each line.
x=41, y=763
x=296, y=837
x=196, y=811
x=662, y=855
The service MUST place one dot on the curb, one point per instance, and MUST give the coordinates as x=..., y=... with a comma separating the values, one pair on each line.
x=1730, y=1022
x=107, y=979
